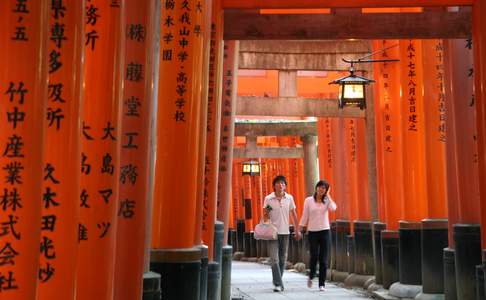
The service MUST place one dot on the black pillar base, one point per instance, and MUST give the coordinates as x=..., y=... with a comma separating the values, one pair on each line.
x=291, y=249
x=203, y=291
x=151, y=286
x=350, y=253
x=480, y=295
x=450, y=291
x=240, y=232
x=253, y=249
x=434, y=240
x=389, y=250
x=214, y=281
x=410, y=260
x=180, y=270
x=226, y=273
x=247, y=244
x=264, y=248
x=305, y=248
x=363, y=245
x=342, y=230
x=258, y=245
x=234, y=240
x=467, y=241
x=333, y=246
x=377, y=255
x=218, y=241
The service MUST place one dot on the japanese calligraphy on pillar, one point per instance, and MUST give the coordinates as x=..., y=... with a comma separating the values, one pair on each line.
x=352, y=139
x=100, y=144
x=226, y=106
x=470, y=75
x=22, y=111
x=327, y=132
x=133, y=177
x=55, y=163
x=412, y=91
x=135, y=120
x=387, y=115
x=441, y=106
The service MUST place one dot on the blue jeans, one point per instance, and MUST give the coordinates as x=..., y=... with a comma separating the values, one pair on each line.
x=277, y=250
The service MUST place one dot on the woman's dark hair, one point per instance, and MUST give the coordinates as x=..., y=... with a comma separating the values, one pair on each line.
x=279, y=178
x=324, y=184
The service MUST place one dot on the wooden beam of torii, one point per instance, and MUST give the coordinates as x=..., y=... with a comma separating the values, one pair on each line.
x=275, y=128
x=302, y=55
x=294, y=107
x=347, y=24
x=259, y=4
x=268, y=152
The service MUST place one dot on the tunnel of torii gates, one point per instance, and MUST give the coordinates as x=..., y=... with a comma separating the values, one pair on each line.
x=120, y=159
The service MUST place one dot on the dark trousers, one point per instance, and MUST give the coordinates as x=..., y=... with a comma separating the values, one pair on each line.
x=319, y=248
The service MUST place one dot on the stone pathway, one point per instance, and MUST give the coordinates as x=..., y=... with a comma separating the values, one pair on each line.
x=253, y=281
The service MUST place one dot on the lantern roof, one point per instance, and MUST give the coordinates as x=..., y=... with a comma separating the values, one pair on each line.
x=352, y=78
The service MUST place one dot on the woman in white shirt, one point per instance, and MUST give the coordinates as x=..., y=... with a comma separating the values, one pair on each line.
x=315, y=218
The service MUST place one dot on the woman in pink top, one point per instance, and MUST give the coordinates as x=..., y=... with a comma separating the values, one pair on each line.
x=315, y=219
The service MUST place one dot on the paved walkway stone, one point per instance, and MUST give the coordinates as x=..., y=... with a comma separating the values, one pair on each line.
x=252, y=281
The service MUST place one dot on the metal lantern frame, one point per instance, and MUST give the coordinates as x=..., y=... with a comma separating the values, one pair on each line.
x=251, y=167
x=353, y=80
x=350, y=82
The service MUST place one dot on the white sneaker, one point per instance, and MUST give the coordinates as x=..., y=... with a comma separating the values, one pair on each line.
x=322, y=289
x=276, y=289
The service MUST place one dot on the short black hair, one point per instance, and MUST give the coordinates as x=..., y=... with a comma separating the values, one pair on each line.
x=279, y=178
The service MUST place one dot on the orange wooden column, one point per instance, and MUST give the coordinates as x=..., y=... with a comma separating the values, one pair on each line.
x=178, y=135
x=134, y=153
x=230, y=69
x=350, y=162
x=363, y=199
x=459, y=80
x=60, y=216
x=213, y=129
x=435, y=127
x=338, y=192
x=203, y=24
x=178, y=122
x=237, y=190
x=389, y=84
x=23, y=87
x=479, y=36
x=247, y=199
x=100, y=141
x=414, y=205
x=326, y=162
x=379, y=129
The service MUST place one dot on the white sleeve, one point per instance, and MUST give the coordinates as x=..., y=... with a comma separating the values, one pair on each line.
x=305, y=214
x=332, y=205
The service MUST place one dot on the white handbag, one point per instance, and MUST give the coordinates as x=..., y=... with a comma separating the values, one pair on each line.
x=265, y=231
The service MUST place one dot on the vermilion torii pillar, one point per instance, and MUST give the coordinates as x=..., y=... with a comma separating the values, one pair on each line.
x=213, y=129
x=462, y=167
x=176, y=187
x=229, y=95
x=413, y=207
x=434, y=228
x=61, y=189
x=100, y=141
x=230, y=69
x=23, y=90
x=134, y=153
x=388, y=84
